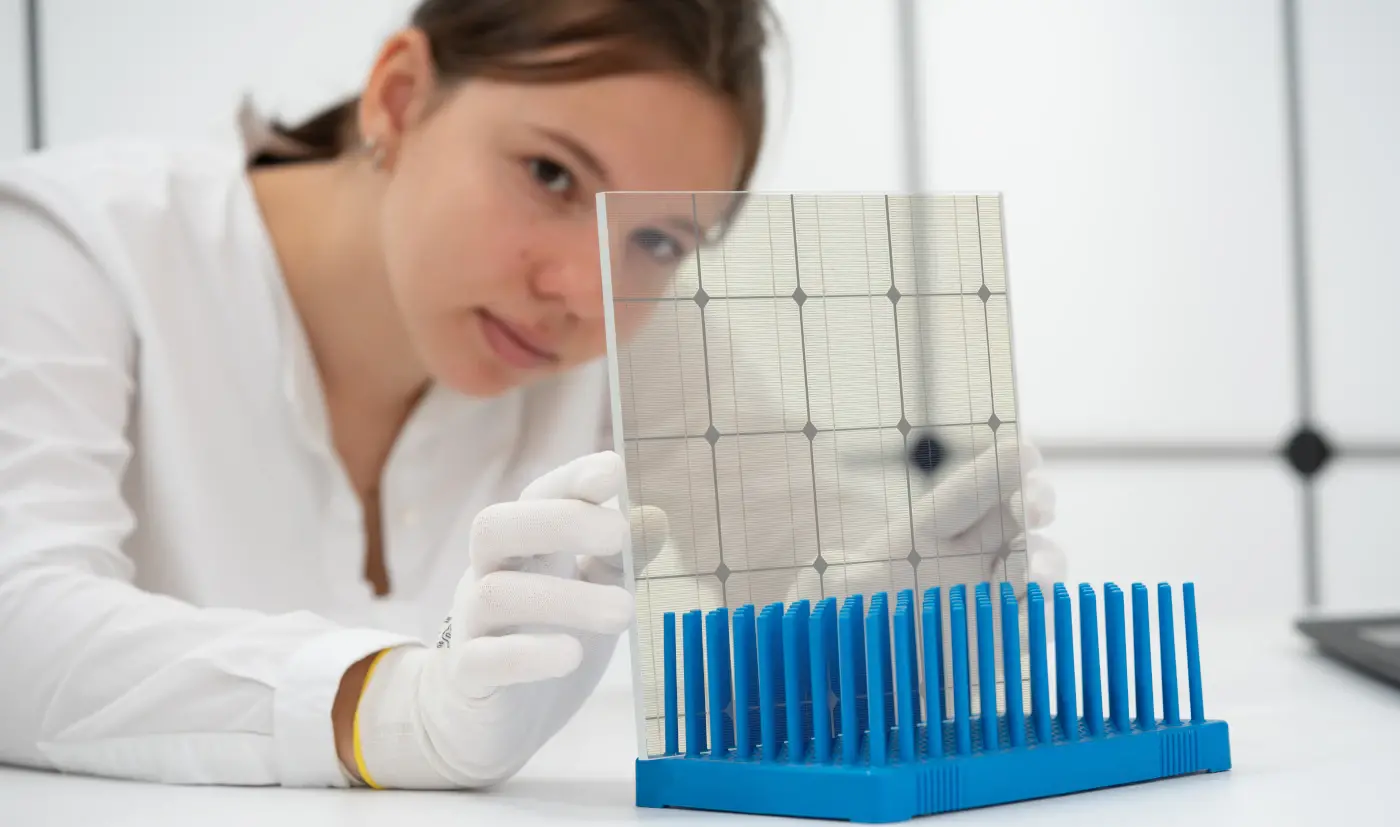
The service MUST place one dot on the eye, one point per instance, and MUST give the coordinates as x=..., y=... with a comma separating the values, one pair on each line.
x=657, y=244
x=551, y=176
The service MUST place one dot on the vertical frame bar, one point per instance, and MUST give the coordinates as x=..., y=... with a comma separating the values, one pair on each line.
x=629, y=580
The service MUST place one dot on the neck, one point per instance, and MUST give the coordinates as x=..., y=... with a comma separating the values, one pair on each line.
x=321, y=219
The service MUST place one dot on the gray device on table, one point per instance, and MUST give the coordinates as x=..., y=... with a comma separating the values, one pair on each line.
x=1371, y=644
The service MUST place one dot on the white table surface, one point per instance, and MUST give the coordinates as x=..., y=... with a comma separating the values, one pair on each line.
x=1312, y=744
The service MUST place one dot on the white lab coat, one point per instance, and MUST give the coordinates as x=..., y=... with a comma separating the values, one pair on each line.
x=181, y=555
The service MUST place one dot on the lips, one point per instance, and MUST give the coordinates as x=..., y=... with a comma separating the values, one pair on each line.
x=512, y=345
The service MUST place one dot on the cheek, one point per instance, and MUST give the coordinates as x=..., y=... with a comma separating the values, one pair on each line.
x=447, y=247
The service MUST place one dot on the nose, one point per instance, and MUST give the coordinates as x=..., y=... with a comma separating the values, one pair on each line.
x=570, y=272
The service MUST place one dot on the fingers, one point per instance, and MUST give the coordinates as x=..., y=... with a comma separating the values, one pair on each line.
x=508, y=660
x=595, y=479
x=506, y=600
x=534, y=528
x=651, y=532
x=1030, y=456
x=962, y=498
x=1048, y=563
x=651, y=537
x=651, y=524
x=1040, y=502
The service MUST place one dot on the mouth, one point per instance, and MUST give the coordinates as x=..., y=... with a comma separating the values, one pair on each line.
x=512, y=345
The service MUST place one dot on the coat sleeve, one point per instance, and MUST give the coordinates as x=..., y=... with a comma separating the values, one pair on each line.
x=96, y=675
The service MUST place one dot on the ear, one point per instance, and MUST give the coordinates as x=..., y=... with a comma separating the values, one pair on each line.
x=398, y=93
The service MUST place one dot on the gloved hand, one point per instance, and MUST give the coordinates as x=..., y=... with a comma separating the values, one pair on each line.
x=972, y=506
x=533, y=625
x=964, y=507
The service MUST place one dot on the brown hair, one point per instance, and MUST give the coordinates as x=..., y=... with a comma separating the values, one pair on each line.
x=717, y=42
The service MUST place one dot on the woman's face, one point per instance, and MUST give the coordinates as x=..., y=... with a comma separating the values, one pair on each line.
x=489, y=222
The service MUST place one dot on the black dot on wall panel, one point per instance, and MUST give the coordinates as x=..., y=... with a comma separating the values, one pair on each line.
x=926, y=454
x=1307, y=451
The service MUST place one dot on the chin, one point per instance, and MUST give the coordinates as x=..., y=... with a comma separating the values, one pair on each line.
x=477, y=380
x=457, y=359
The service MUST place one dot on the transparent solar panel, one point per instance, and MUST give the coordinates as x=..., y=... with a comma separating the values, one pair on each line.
x=816, y=391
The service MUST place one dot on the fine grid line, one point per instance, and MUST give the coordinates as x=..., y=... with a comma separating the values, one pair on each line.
x=973, y=555
x=806, y=392
x=831, y=398
x=782, y=374
x=847, y=429
x=626, y=353
x=619, y=438
x=1009, y=331
x=709, y=394
x=991, y=383
x=1000, y=559
x=936, y=294
x=962, y=319
x=875, y=365
x=685, y=413
x=899, y=374
x=894, y=304
x=917, y=255
x=657, y=686
x=738, y=430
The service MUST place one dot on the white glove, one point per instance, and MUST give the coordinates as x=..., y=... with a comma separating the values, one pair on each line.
x=534, y=622
x=971, y=505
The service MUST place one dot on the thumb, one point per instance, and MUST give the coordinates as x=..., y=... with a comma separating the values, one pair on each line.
x=1048, y=563
x=595, y=478
x=651, y=534
x=651, y=537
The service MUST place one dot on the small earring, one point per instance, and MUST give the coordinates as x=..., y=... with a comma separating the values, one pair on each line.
x=376, y=152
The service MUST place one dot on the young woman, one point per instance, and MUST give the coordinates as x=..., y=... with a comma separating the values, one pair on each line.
x=267, y=415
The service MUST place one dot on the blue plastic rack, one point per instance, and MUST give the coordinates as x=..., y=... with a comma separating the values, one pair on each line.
x=862, y=762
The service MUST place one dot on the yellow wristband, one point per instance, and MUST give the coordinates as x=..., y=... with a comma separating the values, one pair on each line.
x=355, y=727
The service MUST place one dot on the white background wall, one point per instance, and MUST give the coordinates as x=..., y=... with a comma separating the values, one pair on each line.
x=1140, y=148
x=174, y=68
x=14, y=120
x=1351, y=82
